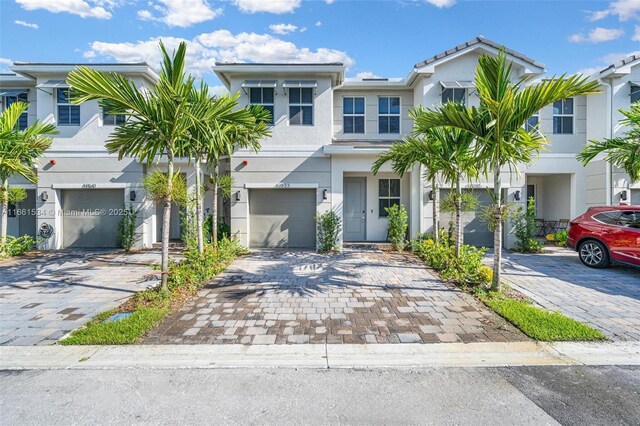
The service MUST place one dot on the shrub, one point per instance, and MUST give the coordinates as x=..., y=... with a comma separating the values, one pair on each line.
x=224, y=230
x=526, y=229
x=397, y=227
x=127, y=228
x=329, y=226
x=560, y=238
x=17, y=246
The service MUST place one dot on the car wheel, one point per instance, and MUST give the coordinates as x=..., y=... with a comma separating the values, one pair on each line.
x=594, y=254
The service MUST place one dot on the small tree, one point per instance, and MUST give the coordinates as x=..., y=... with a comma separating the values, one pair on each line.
x=397, y=226
x=329, y=226
x=526, y=228
x=127, y=228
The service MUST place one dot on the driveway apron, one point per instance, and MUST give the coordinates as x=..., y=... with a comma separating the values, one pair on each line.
x=357, y=296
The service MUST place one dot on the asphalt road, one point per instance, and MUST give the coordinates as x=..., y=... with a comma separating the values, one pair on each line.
x=511, y=395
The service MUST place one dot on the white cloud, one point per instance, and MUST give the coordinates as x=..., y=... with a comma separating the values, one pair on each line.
x=636, y=34
x=283, y=28
x=589, y=70
x=271, y=6
x=318, y=24
x=623, y=9
x=329, y=1
x=26, y=24
x=367, y=74
x=441, y=3
x=207, y=48
x=597, y=35
x=218, y=91
x=82, y=8
x=607, y=60
x=4, y=64
x=180, y=13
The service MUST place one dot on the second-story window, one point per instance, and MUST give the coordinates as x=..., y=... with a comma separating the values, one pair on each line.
x=263, y=96
x=635, y=93
x=563, y=117
x=532, y=122
x=353, y=115
x=68, y=114
x=301, y=106
x=388, y=115
x=20, y=97
x=112, y=119
x=454, y=95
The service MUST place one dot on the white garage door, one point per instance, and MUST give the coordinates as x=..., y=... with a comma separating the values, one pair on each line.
x=91, y=217
x=635, y=197
x=282, y=218
x=476, y=232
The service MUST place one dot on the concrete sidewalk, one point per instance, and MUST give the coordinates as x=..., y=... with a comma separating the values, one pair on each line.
x=318, y=356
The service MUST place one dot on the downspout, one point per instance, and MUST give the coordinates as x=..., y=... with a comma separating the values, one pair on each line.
x=608, y=168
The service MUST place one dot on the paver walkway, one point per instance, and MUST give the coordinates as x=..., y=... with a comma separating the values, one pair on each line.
x=280, y=296
x=607, y=299
x=44, y=296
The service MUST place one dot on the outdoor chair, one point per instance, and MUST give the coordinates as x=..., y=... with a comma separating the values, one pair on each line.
x=540, y=225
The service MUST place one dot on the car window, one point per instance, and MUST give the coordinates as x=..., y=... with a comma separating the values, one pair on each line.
x=608, y=218
x=630, y=219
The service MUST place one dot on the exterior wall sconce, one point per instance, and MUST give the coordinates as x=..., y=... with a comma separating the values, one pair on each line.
x=132, y=195
x=44, y=196
x=237, y=195
x=430, y=195
x=624, y=195
x=516, y=195
x=324, y=194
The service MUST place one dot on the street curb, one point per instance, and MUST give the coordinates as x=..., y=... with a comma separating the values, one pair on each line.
x=318, y=356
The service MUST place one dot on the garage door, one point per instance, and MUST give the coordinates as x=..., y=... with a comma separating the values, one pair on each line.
x=90, y=217
x=635, y=197
x=476, y=231
x=282, y=218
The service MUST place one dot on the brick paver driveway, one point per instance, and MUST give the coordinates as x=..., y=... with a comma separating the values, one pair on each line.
x=275, y=297
x=607, y=299
x=44, y=296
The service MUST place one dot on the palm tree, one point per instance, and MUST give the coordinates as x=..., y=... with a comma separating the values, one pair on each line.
x=498, y=124
x=448, y=152
x=158, y=119
x=19, y=152
x=622, y=152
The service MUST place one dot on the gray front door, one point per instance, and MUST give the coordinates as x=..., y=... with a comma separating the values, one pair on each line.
x=355, y=209
x=91, y=217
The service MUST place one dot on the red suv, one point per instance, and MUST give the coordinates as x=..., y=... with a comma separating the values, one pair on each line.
x=607, y=234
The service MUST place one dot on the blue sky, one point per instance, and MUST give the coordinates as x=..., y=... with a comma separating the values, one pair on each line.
x=374, y=38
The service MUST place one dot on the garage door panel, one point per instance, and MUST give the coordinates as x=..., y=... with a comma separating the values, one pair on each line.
x=282, y=218
x=89, y=217
x=635, y=197
x=475, y=230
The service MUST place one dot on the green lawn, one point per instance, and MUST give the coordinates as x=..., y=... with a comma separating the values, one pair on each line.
x=540, y=324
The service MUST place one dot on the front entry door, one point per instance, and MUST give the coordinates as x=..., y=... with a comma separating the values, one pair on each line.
x=355, y=209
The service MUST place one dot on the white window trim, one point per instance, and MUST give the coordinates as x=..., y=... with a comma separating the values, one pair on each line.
x=399, y=197
x=364, y=114
x=67, y=104
x=301, y=104
x=399, y=114
x=262, y=103
x=573, y=118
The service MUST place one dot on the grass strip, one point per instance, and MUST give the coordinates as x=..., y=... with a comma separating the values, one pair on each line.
x=540, y=324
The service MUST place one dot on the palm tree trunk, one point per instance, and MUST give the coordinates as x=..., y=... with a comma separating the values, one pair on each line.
x=436, y=210
x=214, y=218
x=497, y=233
x=166, y=222
x=5, y=213
x=199, y=208
x=458, y=205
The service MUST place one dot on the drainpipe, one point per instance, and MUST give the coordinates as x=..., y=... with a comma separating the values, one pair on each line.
x=608, y=168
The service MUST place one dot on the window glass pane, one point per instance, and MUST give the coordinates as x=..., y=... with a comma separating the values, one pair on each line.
x=394, y=187
x=630, y=219
x=557, y=107
x=22, y=122
x=120, y=119
x=348, y=124
x=307, y=115
x=359, y=106
x=358, y=125
x=307, y=95
x=446, y=95
x=567, y=125
x=532, y=122
x=63, y=115
x=108, y=119
x=294, y=96
x=270, y=109
x=295, y=115
x=459, y=95
x=394, y=124
x=395, y=105
x=347, y=105
x=383, y=203
x=383, y=105
x=567, y=106
x=609, y=217
x=394, y=202
x=267, y=95
x=383, y=188
x=75, y=114
x=63, y=96
x=635, y=94
x=383, y=124
x=255, y=95
x=557, y=125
